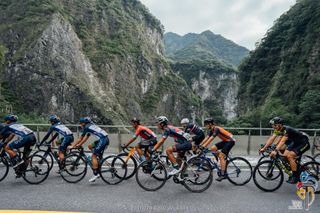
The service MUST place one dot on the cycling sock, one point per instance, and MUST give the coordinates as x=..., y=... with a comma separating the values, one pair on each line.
x=95, y=171
x=176, y=166
x=143, y=158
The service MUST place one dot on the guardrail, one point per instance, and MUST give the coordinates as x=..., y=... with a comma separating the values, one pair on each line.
x=249, y=139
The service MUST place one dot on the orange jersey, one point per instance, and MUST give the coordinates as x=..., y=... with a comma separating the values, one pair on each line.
x=144, y=133
x=223, y=134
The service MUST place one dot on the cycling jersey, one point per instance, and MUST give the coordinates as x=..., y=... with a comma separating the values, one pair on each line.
x=59, y=128
x=177, y=134
x=144, y=133
x=223, y=134
x=17, y=129
x=194, y=129
x=293, y=135
x=95, y=130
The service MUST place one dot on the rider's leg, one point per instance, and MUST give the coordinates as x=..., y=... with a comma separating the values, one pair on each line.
x=140, y=152
x=98, y=151
x=170, y=155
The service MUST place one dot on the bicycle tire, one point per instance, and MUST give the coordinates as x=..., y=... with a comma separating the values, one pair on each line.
x=47, y=156
x=238, y=170
x=113, y=166
x=33, y=167
x=4, y=168
x=269, y=164
x=313, y=169
x=134, y=162
x=145, y=171
x=72, y=162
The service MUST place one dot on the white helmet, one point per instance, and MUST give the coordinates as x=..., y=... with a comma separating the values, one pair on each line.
x=185, y=121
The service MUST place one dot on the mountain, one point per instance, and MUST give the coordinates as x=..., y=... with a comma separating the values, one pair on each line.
x=101, y=58
x=203, y=46
x=281, y=76
x=208, y=64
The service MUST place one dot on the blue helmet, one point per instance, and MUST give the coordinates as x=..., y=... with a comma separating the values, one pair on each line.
x=12, y=118
x=85, y=120
x=54, y=119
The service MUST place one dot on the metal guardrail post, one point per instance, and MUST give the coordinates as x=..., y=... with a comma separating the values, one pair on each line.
x=249, y=142
x=78, y=132
x=38, y=133
x=119, y=141
x=314, y=142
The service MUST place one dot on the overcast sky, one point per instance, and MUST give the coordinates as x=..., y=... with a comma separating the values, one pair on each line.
x=242, y=21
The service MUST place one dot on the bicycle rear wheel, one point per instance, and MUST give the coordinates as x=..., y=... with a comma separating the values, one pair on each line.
x=239, y=171
x=151, y=175
x=47, y=156
x=113, y=170
x=4, y=168
x=317, y=157
x=313, y=169
x=33, y=171
x=130, y=163
x=197, y=176
x=75, y=168
x=264, y=176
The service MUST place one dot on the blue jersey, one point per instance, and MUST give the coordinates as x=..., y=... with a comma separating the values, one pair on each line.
x=177, y=134
x=17, y=129
x=95, y=130
x=60, y=129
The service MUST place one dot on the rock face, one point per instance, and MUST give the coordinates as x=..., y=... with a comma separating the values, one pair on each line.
x=98, y=58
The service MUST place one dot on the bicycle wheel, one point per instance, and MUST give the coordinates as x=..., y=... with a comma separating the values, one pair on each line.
x=130, y=163
x=46, y=156
x=197, y=175
x=33, y=171
x=239, y=171
x=4, y=168
x=113, y=170
x=313, y=169
x=264, y=173
x=306, y=159
x=317, y=157
x=266, y=157
x=75, y=168
x=151, y=175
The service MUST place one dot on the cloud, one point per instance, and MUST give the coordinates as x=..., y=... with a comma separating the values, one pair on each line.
x=243, y=21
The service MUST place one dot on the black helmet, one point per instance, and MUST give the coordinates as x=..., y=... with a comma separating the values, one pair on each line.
x=162, y=120
x=208, y=121
x=135, y=120
x=276, y=120
x=54, y=119
x=12, y=118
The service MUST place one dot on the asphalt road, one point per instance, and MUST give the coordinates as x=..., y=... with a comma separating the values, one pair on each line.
x=56, y=194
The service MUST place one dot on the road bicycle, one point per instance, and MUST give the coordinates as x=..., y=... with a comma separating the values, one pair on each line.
x=30, y=169
x=195, y=175
x=112, y=169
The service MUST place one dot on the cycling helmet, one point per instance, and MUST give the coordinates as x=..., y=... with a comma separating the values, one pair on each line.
x=185, y=121
x=208, y=121
x=135, y=120
x=162, y=120
x=54, y=119
x=276, y=120
x=12, y=118
x=85, y=120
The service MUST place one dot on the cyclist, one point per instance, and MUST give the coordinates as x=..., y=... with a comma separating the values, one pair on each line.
x=149, y=138
x=182, y=144
x=26, y=139
x=97, y=147
x=195, y=130
x=65, y=132
x=225, y=145
x=296, y=144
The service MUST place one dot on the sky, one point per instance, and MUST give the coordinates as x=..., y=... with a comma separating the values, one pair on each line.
x=242, y=21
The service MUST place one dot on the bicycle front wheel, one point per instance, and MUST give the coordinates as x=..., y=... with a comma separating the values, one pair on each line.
x=151, y=175
x=33, y=171
x=268, y=176
x=313, y=170
x=239, y=171
x=75, y=168
x=130, y=163
x=4, y=168
x=113, y=170
x=197, y=175
x=317, y=157
x=47, y=156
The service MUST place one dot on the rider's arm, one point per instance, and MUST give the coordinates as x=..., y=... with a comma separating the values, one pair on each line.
x=134, y=137
x=46, y=136
x=9, y=138
x=156, y=147
x=204, y=140
x=209, y=140
x=269, y=142
x=53, y=138
x=282, y=142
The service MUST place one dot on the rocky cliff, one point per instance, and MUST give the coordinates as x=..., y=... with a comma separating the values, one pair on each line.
x=101, y=58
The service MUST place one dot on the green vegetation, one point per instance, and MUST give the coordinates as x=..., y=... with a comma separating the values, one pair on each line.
x=281, y=77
